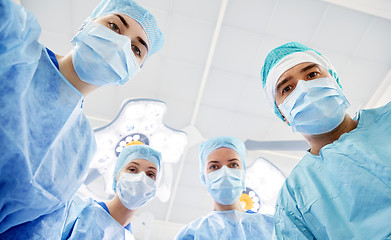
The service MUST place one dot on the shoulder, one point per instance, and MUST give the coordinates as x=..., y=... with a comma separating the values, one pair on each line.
x=269, y=219
x=264, y=223
x=189, y=231
x=384, y=108
x=18, y=27
x=380, y=112
x=80, y=202
x=373, y=115
x=253, y=214
x=310, y=166
x=76, y=206
x=307, y=164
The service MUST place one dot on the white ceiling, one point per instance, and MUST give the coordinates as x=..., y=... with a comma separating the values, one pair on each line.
x=208, y=72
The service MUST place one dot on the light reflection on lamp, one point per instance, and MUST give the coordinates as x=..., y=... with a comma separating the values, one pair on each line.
x=263, y=182
x=138, y=122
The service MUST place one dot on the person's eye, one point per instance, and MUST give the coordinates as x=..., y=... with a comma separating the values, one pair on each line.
x=136, y=50
x=234, y=165
x=132, y=170
x=213, y=167
x=151, y=175
x=312, y=75
x=115, y=27
x=286, y=89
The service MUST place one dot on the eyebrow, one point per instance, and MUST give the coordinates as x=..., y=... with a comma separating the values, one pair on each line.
x=143, y=42
x=304, y=69
x=152, y=167
x=233, y=159
x=212, y=162
x=122, y=20
x=127, y=26
x=283, y=82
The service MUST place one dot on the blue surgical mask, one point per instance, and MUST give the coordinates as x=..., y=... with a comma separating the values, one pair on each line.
x=103, y=57
x=226, y=184
x=315, y=107
x=134, y=190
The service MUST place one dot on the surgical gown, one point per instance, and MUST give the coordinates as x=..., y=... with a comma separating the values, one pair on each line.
x=88, y=220
x=345, y=191
x=46, y=142
x=226, y=225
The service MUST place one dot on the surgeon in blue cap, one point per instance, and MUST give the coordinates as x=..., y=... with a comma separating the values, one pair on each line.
x=223, y=171
x=341, y=189
x=135, y=180
x=45, y=139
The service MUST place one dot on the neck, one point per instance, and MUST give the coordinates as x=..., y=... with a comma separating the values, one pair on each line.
x=236, y=206
x=68, y=71
x=318, y=141
x=119, y=212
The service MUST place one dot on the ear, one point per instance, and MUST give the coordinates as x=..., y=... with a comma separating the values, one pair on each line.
x=286, y=121
x=118, y=175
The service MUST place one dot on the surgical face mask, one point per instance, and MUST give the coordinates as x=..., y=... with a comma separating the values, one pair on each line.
x=134, y=190
x=103, y=57
x=315, y=107
x=226, y=184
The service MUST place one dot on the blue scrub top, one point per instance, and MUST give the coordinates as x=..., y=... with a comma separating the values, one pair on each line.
x=46, y=140
x=345, y=191
x=103, y=205
x=53, y=58
x=229, y=225
x=89, y=219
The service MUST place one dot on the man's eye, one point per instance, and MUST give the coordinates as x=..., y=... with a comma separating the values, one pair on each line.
x=312, y=74
x=286, y=89
x=115, y=27
x=136, y=50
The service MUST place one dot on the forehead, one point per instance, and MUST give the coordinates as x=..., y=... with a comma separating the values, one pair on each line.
x=299, y=69
x=135, y=26
x=222, y=154
x=142, y=163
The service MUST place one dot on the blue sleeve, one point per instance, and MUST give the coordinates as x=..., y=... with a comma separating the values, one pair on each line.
x=289, y=222
x=19, y=33
x=20, y=49
x=186, y=233
x=76, y=207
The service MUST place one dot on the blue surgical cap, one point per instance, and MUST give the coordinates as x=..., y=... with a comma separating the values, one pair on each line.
x=133, y=152
x=138, y=13
x=220, y=142
x=282, y=59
